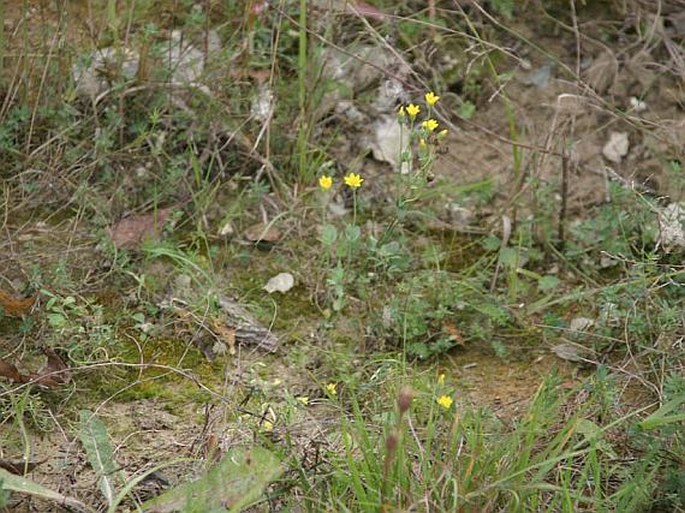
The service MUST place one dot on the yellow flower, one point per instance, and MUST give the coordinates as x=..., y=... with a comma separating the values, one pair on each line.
x=303, y=400
x=325, y=182
x=267, y=426
x=430, y=124
x=332, y=389
x=441, y=379
x=445, y=401
x=401, y=112
x=431, y=98
x=413, y=110
x=353, y=180
x=422, y=144
x=442, y=133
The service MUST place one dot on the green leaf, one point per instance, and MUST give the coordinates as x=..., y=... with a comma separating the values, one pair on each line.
x=509, y=257
x=339, y=304
x=466, y=110
x=21, y=484
x=95, y=440
x=491, y=243
x=504, y=7
x=389, y=249
x=548, y=282
x=57, y=320
x=235, y=483
x=352, y=232
x=329, y=235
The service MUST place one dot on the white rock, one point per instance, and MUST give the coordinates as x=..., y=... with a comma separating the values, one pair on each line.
x=616, y=147
x=672, y=227
x=227, y=230
x=262, y=103
x=102, y=66
x=219, y=348
x=579, y=324
x=282, y=282
x=388, y=142
x=184, y=60
x=459, y=215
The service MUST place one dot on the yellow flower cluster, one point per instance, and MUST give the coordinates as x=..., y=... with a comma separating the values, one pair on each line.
x=429, y=125
x=445, y=401
x=352, y=180
x=412, y=110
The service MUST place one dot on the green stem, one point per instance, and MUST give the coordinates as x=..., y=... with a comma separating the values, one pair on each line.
x=354, y=207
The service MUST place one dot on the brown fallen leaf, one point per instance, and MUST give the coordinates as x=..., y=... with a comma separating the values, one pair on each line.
x=130, y=232
x=226, y=334
x=15, y=306
x=454, y=333
x=9, y=371
x=603, y=71
x=54, y=373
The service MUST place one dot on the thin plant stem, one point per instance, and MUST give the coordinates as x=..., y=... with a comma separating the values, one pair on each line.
x=302, y=70
x=354, y=207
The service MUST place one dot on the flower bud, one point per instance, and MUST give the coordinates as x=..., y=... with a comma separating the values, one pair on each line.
x=404, y=399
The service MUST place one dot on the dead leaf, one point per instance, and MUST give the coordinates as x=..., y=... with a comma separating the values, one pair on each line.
x=454, y=333
x=16, y=306
x=602, y=73
x=262, y=233
x=642, y=67
x=572, y=352
x=54, y=373
x=130, y=232
x=212, y=450
x=226, y=334
x=9, y=371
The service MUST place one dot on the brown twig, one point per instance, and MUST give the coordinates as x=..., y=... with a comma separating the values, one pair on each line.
x=564, y=199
